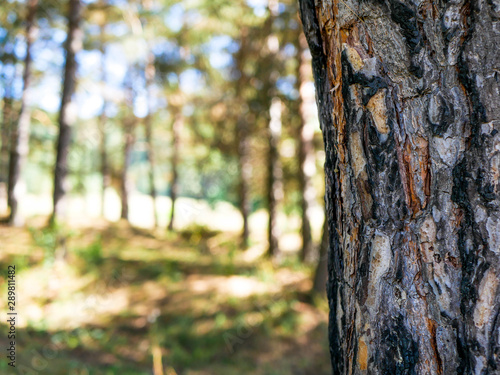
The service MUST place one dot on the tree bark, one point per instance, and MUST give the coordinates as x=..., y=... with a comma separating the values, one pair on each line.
x=243, y=138
x=19, y=145
x=409, y=107
x=129, y=125
x=129, y=140
x=245, y=168
x=275, y=176
x=176, y=146
x=105, y=173
x=149, y=73
x=274, y=172
x=306, y=147
x=67, y=112
x=7, y=121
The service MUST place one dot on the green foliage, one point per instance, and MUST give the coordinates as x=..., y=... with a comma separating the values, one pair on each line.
x=52, y=239
x=47, y=239
x=195, y=233
x=92, y=255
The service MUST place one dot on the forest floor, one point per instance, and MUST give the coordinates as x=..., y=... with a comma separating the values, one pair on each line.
x=114, y=299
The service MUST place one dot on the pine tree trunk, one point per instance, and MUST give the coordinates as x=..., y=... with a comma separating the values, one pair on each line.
x=274, y=170
x=275, y=176
x=176, y=146
x=7, y=121
x=67, y=112
x=245, y=168
x=409, y=105
x=129, y=140
x=243, y=138
x=7, y=124
x=149, y=73
x=19, y=145
x=306, y=147
x=105, y=174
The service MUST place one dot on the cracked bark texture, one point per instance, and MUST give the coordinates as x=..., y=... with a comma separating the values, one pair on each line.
x=408, y=98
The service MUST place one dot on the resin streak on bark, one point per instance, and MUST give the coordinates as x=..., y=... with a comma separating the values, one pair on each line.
x=413, y=180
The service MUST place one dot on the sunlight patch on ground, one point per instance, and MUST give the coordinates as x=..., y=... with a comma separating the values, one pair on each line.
x=253, y=253
x=82, y=309
x=236, y=286
x=286, y=278
x=55, y=298
x=166, y=253
x=15, y=241
x=41, y=284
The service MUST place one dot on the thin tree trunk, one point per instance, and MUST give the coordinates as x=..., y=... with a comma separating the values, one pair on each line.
x=149, y=73
x=275, y=172
x=306, y=147
x=129, y=140
x=275, y=176
x=243, y=142
x=7, y=121
x=19, y=146
x=105, y=174
x=245, y=168
x=67, y=111
x=409, y=107
x=106, y=179
x=321, y=272
x=129, y=125
x=176, y=147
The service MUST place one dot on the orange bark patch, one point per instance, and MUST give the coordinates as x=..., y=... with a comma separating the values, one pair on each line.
x=431, y=326
x=376, y=105
x=425, y=173
x=414, y=201
x=362, y=354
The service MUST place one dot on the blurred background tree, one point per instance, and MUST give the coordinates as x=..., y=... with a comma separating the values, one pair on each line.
x=192, y=116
